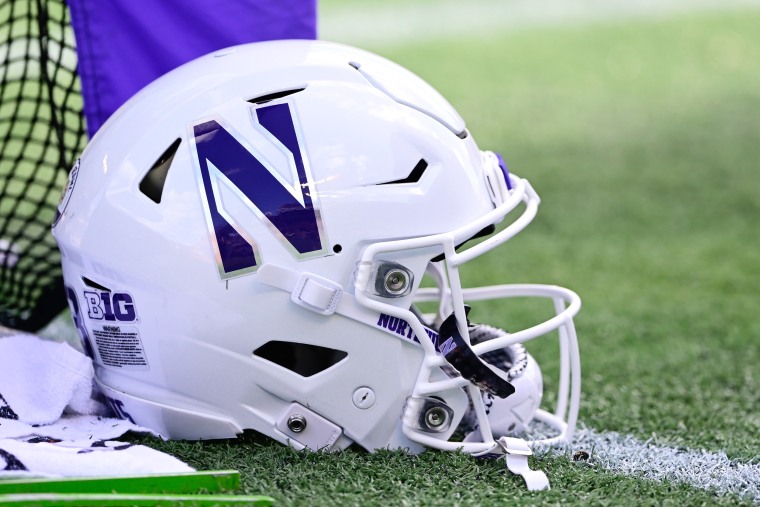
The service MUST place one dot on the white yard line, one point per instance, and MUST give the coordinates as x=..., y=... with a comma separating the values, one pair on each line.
x=375, y=24
x=624, y=454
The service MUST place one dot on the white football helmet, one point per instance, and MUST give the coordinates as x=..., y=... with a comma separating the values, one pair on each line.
x=244, y=243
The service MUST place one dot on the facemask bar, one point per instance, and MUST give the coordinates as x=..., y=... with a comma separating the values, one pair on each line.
x=566, y=303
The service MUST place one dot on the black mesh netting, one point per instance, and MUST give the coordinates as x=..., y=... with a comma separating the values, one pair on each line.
x=41, y=133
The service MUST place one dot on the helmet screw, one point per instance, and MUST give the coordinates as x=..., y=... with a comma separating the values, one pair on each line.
x=396, y=281
x=296, y=423
x=364, y=398
x=435, y=417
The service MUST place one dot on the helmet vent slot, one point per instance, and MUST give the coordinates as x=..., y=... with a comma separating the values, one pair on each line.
x=301, y=358
x=152, y=184
x=275, y=95
x=94, y=285
x=485, y=231
x=413, y=177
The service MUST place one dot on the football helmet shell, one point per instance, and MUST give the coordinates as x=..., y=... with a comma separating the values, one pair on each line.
x=245, y=243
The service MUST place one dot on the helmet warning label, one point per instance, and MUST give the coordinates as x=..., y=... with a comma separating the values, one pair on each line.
x=120, y=347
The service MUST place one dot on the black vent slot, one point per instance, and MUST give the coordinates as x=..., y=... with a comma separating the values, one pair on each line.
x=485, y=231
x=94, y=285
x=275, y=95
x=152, y=185
x=305, y=360
x=413, y=177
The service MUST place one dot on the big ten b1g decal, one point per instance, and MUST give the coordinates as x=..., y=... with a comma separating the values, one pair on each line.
x=104, y=305
x=111, y=322
x=290, y=210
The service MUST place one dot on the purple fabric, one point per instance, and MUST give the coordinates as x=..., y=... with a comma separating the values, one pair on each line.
x=123, y=45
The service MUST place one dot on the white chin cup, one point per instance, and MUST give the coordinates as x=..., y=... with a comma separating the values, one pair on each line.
x=512, y=415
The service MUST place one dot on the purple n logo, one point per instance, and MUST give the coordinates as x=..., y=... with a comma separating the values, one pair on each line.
x=228, y=163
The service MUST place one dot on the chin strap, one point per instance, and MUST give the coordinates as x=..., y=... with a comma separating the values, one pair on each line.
x=516, y=452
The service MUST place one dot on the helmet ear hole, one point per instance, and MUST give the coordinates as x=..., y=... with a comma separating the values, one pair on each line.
x=300, y=358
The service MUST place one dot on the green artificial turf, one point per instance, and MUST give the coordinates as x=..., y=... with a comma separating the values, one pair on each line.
x=355, y=477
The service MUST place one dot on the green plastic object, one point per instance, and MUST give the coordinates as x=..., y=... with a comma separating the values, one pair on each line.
x=139, y=490
x=130, y=499
x=184, y=483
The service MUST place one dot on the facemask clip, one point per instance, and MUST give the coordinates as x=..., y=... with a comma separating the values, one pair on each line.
x=430, y=415
x=389, y=279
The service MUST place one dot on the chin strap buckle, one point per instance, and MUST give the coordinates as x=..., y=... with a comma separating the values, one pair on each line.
x=317, y=294
x=314, y=292
x=517, y=451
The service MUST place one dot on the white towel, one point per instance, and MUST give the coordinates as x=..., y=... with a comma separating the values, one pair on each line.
x=39, y=379
x=52, y=422
x=40, y=458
